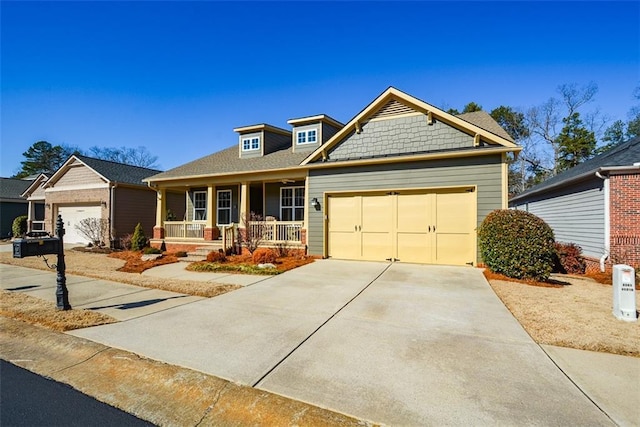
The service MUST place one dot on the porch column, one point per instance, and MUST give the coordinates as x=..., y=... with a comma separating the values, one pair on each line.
x=211, y=232
x=161, y=213
x=30, y=216
x=244, y=201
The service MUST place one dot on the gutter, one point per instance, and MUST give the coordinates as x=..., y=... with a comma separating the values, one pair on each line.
x=607, y=219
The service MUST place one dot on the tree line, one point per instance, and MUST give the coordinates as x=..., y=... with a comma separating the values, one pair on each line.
x=43, y=157
x=559, y=134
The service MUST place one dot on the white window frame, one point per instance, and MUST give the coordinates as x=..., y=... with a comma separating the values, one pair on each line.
x=293, y=206
x=252, y=143
x=229, y=208
x=305, y=134
x=198, y=209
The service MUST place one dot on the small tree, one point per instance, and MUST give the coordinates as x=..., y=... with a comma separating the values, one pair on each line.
x=19, y=226
x=139, y=240
x=96, y=230
x=254, y=231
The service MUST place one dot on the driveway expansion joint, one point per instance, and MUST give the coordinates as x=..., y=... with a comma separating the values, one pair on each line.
x=255, y=384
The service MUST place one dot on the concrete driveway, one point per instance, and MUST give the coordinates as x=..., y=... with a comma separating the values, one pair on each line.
x=399, y=344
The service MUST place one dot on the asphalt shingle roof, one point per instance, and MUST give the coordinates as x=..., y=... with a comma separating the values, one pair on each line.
x=11, y=188
x=118, y=172
x=623, y=154
x=228, y=161
x=483, y=120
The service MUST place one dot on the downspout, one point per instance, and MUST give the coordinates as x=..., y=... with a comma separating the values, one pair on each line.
x=112, y=199
x=607, y=222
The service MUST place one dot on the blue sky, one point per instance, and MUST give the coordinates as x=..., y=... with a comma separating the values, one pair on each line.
x=177, y=77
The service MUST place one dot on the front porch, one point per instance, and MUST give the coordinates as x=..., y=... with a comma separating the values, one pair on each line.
x=272, y=213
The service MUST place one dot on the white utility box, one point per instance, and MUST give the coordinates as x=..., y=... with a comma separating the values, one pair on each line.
x=624, y=292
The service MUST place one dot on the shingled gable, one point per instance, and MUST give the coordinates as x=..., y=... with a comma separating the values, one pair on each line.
x=107, y=170
x=395, y=102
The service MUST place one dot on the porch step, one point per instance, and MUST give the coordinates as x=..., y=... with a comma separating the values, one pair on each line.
x=200, y=254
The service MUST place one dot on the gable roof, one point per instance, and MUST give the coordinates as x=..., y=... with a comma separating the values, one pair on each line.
x=113, y=172
x=227, y=161
x=407, y=101
x=485, y=121
x=11, y=189
x=625, y=155
x=36, y=182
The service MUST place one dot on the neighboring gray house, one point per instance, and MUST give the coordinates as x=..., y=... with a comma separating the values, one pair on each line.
x=12, y=204
x=401, y=181
x=595, y=205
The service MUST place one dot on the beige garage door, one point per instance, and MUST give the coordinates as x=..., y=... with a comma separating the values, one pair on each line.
x=435, y=227
x=72, y=215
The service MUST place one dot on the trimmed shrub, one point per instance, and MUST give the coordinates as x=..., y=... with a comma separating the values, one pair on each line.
x=19, y=226
x=139, y=240
x=181, y=254
x=517, y=244
x=264, y=256
x=569, y=259
x=150, y=251
x=216, y=256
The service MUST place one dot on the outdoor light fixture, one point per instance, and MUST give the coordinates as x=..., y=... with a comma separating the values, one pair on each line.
x=315, y=203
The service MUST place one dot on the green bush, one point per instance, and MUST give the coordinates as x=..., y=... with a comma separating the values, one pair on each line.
x=19, y=226
x=517, y=244
x=139, y=240
x=150, y=251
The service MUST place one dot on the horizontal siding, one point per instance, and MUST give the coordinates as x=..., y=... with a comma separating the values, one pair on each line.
x=133, y=206
x=576, y=215
x=77, y=175
x=484, y=172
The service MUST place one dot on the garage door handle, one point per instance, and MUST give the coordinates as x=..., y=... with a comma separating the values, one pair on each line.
x=429, y=229
x=434, y=228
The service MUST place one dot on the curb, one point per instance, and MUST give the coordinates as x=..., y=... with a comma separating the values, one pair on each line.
x=163, y=394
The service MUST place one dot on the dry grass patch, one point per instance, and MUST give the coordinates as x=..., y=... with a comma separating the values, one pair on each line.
x=101, y=266
x=38, y=312
x=577, y=315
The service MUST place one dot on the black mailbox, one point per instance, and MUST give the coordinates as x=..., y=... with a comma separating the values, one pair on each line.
x=32, y=247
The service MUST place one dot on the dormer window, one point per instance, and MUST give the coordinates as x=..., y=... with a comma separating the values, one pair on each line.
x=250, y=144
x=307, y=136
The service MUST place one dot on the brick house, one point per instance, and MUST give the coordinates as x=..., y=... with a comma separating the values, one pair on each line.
x=85, y=187
x=596, y=205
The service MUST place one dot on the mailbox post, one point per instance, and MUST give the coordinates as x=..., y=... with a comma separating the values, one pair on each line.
x=624, y=292
x=62, y=294
x=40, y=246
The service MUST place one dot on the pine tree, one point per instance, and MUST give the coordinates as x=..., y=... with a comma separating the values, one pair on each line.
x=576, y=143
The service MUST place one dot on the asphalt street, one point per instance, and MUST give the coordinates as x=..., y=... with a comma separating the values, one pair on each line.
x=31, y=400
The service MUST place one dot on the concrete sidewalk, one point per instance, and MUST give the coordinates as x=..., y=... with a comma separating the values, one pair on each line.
x=118, y=300
x=178, y=270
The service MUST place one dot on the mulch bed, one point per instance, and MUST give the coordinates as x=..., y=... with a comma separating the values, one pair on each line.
x=135, y=264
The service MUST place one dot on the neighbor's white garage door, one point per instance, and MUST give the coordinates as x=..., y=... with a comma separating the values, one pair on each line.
x=432, y=227
x=72, y=215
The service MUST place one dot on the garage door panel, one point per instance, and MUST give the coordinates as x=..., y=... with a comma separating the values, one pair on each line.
x=414, y=247
x=376, y=246
x=455, y=249
x=72, y=216
x=414, y=212
x=454, y=211
x=377, y=214
x=345, y=245
x=342, y=214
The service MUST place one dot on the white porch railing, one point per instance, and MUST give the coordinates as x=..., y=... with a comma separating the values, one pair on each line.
x=184, y=230
x=278, y=231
